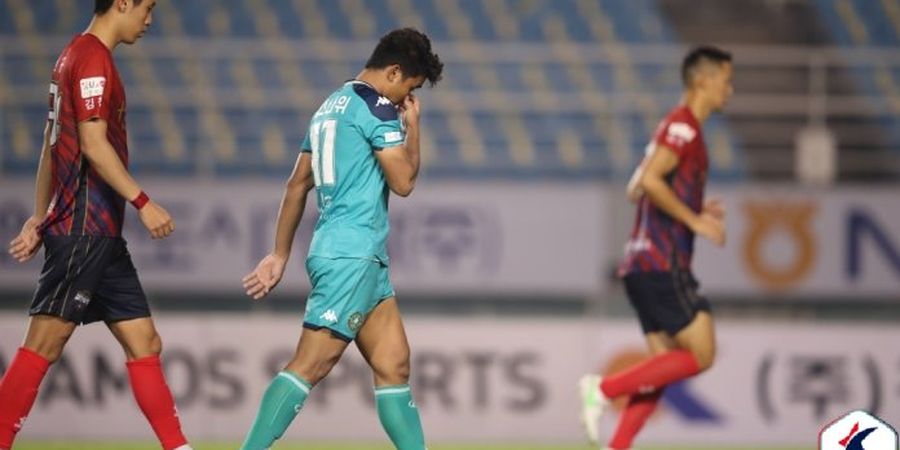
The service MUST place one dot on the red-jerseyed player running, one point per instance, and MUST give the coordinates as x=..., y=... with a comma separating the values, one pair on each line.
x=668, y=188
x=82, y=185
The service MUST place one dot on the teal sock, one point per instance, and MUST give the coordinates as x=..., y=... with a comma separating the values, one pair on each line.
x=280, y=404
x=400, y=417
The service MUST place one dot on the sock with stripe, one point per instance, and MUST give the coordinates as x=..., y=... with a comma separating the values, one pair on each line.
x=154, y=397
x=651, y=375
x=280, y=404
x=639, y=409
x=400, y=417
x=18, y=390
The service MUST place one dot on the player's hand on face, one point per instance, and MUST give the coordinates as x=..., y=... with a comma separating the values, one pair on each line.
x=714, y=207
x=265, y=276
x=711, y=227
x=27, y=243
x=410, y=110
x=157, y=220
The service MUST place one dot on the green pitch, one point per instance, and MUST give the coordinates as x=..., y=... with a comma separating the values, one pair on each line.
x=25, y=445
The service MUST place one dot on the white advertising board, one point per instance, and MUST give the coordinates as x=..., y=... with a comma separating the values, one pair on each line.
x=478, y=380
x=445, y=238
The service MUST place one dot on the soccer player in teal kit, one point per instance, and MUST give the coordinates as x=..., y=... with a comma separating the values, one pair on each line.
x=362, y=143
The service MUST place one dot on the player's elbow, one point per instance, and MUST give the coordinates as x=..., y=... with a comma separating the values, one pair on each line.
x=402, y=192
x=633, y=192
x=299, y=185
x=648, y=183
x=403, y=188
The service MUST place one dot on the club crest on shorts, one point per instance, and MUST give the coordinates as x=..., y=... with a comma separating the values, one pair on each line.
x=355, y=321
x=858, y=430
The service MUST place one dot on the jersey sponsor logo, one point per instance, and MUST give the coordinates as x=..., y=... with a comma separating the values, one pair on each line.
x=92, y=87
x=383, y=101
x=393, y=136
x=329, y=316
x=858, y=430
x=682, y=132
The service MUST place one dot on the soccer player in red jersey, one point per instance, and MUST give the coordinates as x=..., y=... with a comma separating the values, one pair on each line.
x=81, y=189
x=668, y=189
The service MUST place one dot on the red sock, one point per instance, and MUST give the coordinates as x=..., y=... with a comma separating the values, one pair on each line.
x=155, y=399
x=18, y=389
x=652, y=374
x=639, y=408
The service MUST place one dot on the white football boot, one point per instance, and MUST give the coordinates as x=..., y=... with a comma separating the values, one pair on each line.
x=593, y=403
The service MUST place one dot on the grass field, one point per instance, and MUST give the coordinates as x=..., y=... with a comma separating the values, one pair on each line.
x=25, y=445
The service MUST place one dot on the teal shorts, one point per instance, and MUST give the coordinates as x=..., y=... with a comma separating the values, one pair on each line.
x=344, y=292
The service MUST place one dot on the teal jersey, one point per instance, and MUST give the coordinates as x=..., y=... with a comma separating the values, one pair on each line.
x=351, y=192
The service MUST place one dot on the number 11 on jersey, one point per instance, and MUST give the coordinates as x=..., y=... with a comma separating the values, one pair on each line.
x=323, y=156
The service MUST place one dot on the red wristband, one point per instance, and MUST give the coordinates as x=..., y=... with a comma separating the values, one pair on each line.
x=140, y=201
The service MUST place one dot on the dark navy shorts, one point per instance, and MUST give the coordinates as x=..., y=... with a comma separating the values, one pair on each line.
x=665, y=301
x=87, y=279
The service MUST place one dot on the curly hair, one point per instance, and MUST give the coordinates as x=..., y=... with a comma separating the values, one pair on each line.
x=411, y=50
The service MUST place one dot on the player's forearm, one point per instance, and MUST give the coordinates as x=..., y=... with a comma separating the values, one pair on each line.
x=634, y=191
x=665, y=199
x=42, y=184
x=104, y=160
x=404, y=182
x=413, y=152
x=289, y=214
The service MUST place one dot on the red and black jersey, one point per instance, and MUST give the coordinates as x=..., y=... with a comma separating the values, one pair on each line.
x=85, y=86
x=658, y=242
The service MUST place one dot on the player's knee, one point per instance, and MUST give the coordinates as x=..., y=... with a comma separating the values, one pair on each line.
x=49, y=345
x=392, y=368
x=154, y=346
x=313, y=370
x=50, y=353
x=705, y=358
x=143, y=347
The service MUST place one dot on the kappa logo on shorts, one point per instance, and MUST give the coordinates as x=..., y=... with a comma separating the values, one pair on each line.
x=330, y=316
x=355, y=321
x=858, y=430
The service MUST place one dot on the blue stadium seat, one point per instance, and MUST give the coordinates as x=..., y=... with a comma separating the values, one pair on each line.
x=879, y=32
x=271, y=81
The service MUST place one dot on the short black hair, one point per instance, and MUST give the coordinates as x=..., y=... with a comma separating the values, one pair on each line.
x=411, y=50
x=698, y=56
x=102, y=6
